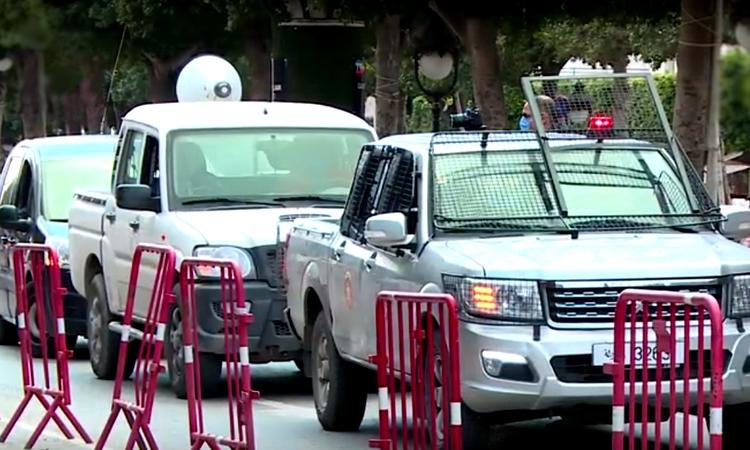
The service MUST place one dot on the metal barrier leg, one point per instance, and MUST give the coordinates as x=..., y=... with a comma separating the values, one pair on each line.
x=137, y=413
x=237, y=319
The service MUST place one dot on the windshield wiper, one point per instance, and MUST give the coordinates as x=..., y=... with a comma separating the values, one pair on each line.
x=311, y=198
x=234, y=201
x=619, y=224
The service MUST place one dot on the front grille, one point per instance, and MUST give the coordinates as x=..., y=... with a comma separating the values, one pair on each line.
x=597, y=304
x=580, y=369
x=267, y=264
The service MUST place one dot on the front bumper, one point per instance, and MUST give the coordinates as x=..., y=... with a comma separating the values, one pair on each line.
x=572, y=381
x=270, y=338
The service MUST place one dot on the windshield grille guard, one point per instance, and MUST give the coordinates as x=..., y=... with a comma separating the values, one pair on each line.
x=656, y=127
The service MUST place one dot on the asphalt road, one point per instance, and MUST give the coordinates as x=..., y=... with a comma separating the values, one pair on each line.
x=284, y=415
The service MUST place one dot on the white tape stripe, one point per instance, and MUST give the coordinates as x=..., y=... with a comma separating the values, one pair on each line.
x=618, y=418
x=60, y=325
x=125, y=333
x=243, y=310
x=383, y=398
x=188, y=354
x=456, y=414
x=716, y=419
x=244, y=356
x=160, y=330
x=21, y=321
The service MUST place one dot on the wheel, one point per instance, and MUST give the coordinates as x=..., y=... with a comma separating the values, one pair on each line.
x=174, y=353
x=434, y=394
x=476, y=430
x=8, y=333
x=34, y=332
x=339, y=390
x=104, y=345
x=734, y=428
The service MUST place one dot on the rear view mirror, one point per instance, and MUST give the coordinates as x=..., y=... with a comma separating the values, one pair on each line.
x=136, y=197
x=387, y=230
x=9, y=219
x=737, y=225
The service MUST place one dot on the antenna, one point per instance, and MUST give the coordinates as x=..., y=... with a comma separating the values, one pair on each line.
x=112, y=81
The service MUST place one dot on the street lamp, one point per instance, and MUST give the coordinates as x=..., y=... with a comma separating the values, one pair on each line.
x=436, y=67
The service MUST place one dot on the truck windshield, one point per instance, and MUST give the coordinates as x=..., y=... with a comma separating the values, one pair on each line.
x=63, y=174
x=604, y=189
x=262, y=165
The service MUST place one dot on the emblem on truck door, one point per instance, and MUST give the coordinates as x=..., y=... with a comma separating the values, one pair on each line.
x=348, y=296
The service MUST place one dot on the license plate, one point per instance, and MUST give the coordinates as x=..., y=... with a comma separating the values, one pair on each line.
x=605, y=353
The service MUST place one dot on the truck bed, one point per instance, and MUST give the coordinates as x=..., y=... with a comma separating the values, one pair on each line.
x=309, y=245
x=86, y=229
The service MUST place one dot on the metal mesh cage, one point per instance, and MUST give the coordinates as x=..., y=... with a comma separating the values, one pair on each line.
x=610, y=107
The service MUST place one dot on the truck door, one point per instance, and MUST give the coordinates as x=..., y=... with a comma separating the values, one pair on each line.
x=145, y=228
x=348, y=255
x=118, y=242
x=390, y=268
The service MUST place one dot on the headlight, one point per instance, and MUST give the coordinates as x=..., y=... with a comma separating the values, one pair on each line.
x=241, y=257
x=513, y=300
x=60, y=244
x=740, y=305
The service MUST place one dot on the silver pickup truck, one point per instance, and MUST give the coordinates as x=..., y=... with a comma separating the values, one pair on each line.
x=554, y=224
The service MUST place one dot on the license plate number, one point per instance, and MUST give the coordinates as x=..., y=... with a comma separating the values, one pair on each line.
x=605, y=353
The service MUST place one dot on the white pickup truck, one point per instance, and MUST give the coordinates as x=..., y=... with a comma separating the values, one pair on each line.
x=214, y=179
x=535, y=235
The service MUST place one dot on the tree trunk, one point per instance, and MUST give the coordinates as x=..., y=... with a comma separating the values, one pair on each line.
x=694, y=55
x=3, y=96
x=72, y=112
x=257, y=43
x=160, y=87
x=92, y=96
x=480, y=42
x=389, y=117
x=30, y=71
x=715, y=173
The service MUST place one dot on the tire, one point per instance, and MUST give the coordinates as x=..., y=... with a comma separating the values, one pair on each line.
x=734, y=428
x=33, y=327
x=210, y=364
x=104, y=345
x=339, y=388
x=439, y=389
x=476, y=430
x=8, y=333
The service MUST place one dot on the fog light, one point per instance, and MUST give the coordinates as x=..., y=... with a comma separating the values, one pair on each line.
x=509, y=366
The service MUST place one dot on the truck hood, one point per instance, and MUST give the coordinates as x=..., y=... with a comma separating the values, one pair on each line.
x=609, y=256
x=245, y=228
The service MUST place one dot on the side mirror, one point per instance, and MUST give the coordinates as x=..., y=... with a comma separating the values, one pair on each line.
x=387, y=230
x=9, y=219
x=737, y=225
x=136, y=197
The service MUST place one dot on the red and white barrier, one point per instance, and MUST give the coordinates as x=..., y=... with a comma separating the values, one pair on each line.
x=417, y=344
x=42, y=262
x=137, y=412
x=650, y=368
x=237, y=318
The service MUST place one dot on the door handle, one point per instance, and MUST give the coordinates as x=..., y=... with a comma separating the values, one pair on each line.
x=338, y=251
x=135, y=224
x=369, y=263
x=110, y=215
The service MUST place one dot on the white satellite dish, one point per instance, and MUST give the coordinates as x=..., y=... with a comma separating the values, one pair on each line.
x=5, y=64
x=209, y=78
